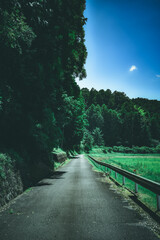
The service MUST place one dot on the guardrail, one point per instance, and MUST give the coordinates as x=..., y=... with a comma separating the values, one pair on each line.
x=144, y=182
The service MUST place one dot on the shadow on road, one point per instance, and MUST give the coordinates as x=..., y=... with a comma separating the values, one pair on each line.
x=57, y=175
x=48, y=180
x=73, y=157
x=44, y=182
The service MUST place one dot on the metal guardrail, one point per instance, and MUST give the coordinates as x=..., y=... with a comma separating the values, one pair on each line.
x=144, y=182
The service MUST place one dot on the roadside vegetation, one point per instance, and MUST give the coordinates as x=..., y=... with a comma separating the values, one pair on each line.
x=126, y=133
x=145, y=165
x=42, y=108
x=57, y=164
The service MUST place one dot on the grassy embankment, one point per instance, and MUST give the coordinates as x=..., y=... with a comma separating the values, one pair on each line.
x=145, y=165
x=59, y=164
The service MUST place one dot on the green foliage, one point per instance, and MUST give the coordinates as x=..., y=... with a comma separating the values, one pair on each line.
x=41, y=105
x=121, y=120
x=143, y=165
x=42, y=52
x=28, y=190
x=87, y=142
x=14, y=31
x=73, y=121
x=11, y=211
x=58, y=150
x=98, y=137
x=134, y=149
x=94, y=117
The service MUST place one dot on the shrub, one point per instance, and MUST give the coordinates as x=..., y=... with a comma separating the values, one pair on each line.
x=104, y=151
x=134, y=149
x=109, y=149
x=157, y=149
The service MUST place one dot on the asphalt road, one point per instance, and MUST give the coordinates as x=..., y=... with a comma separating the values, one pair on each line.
x=72, y=205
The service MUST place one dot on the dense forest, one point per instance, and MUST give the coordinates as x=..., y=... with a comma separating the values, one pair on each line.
x=114, y=119
x=43, y=51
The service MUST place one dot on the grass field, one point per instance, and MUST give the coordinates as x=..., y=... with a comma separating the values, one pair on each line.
x=145, y=165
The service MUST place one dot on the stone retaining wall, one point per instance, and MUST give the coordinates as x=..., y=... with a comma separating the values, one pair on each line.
x=11, y=185
x=59, y=157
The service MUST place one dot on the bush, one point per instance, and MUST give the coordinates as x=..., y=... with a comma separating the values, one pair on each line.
x=104, y=151
x=157, y=149
x=134, y=150
x=109, y=149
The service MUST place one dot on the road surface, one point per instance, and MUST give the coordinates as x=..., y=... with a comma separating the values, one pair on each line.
x=72, y=205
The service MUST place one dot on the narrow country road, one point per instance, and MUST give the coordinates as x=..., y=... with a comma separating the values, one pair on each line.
x=72, y=205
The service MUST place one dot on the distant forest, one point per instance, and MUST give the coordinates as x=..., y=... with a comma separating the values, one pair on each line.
x=42, y=52
x=118, y=120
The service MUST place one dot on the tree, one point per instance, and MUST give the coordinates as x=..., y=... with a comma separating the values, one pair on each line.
x=98, y=137
x=73, y=122
x=122, y=120
x=92, y=97
x=112, y=126
x=94, y=117
x=155, y=127
x=119, y=99
x=42, y=52
x=87, y=141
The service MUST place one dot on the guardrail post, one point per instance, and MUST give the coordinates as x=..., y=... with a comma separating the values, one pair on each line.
x=136, y=188
x=158, y=202
x=144, y=182
x=115, y=175
x=124, y=180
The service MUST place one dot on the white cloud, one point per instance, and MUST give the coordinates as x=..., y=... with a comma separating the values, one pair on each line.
x=132, y=68
x=158, y=76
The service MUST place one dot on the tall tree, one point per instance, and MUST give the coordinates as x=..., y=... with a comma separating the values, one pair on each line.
x=42, y=52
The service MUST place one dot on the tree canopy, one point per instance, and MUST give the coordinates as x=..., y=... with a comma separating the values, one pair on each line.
x=42, y=52
x=123, y=121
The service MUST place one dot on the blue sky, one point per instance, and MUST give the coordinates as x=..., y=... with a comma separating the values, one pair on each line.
x=123, y=43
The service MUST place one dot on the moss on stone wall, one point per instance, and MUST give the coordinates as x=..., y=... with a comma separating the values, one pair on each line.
x=10, y=179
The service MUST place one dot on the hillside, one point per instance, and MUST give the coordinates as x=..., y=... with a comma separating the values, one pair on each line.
x=119, y=120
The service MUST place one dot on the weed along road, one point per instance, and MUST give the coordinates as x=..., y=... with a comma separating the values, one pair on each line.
x=72, y=205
